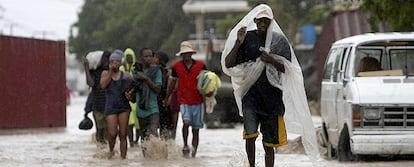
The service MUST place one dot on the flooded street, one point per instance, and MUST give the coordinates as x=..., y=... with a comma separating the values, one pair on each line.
x=72, y=147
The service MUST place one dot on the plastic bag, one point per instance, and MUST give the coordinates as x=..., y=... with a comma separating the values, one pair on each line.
x=86, y=123
x=94, y=59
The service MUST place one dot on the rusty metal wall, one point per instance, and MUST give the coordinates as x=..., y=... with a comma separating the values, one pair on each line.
x=32, y=83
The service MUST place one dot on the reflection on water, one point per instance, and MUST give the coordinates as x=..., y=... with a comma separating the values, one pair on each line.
x=31, y=131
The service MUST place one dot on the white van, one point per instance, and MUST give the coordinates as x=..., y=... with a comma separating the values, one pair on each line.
x=367, y=96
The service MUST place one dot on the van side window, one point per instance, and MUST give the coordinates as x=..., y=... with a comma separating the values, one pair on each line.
x=332, y=64
x=339, y=64
x=369, y=64
x=367, y=59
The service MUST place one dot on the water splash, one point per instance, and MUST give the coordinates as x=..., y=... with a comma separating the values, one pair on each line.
x=239, y=159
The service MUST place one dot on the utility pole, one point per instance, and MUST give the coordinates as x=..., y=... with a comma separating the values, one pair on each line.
x=1, y=16
x=11, y=28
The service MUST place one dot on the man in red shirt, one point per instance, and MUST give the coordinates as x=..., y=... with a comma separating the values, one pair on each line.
x=190, y=100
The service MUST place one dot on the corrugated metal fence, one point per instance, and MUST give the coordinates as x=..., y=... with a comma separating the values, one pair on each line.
x=32, y=83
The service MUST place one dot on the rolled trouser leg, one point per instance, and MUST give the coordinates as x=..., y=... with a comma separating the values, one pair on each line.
x=100, y=135
x=101, y=127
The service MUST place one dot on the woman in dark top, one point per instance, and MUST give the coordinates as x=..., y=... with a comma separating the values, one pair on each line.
x=117, y=107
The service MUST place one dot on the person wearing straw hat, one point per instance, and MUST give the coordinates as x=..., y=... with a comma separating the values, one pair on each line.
x=190, y=100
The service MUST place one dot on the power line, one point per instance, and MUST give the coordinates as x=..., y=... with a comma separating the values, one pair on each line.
x=11, y=24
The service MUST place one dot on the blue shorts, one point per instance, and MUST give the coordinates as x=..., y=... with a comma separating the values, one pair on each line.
x=193, y=113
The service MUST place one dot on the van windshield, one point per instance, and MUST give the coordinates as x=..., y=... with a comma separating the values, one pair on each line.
x=402, y=59
x=385, y=60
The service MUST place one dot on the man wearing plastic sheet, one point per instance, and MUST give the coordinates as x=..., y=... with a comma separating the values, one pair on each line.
x=267, y=81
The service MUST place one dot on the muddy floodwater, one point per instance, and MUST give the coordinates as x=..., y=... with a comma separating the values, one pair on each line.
x=72, y=147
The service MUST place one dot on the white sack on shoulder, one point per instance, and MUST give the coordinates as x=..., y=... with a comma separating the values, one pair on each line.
x=94, y=59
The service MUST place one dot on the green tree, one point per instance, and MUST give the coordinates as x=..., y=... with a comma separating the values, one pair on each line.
x=108, y=25
x=398, y=14
x=90, y=19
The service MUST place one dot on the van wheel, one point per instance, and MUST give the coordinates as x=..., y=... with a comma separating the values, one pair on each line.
x=344, y=147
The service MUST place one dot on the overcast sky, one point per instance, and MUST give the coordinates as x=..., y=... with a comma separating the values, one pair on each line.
x=49, y=19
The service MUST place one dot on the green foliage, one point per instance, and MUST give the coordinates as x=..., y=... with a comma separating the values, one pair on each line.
x=177, y=35
x=316, y=16
x=257, y=2
x=225, y=25
x=291, y=15
x=108, y=25
x=92, y=15
x=162, y=24
x=398, y=14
